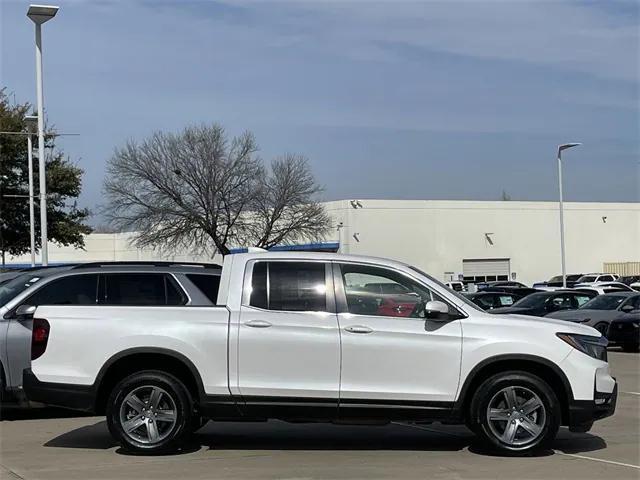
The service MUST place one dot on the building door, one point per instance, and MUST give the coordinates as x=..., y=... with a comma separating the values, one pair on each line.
x=485, y=270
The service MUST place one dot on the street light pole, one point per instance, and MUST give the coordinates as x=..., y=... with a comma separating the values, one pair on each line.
x=31, y=122
x=40, y=14
x=562, y=252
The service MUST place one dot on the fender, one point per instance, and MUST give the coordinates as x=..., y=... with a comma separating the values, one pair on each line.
x=487, y=362
x=154, y=350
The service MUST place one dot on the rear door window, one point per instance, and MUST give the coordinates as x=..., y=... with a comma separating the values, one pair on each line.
x=289, y=286
x=141, y=289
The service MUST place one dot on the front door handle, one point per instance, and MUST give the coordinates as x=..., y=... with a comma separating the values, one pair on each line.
x=358, y=329
x=258, y=324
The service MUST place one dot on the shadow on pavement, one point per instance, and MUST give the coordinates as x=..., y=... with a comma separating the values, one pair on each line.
x=13, y=412
x=579, y=443
x=275, y=435
x=94, y=436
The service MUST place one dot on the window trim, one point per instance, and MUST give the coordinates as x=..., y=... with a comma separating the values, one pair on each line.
x=342, y=306
x=328, y=280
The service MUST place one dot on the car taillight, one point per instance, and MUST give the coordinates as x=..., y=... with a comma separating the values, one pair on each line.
x=39, y=337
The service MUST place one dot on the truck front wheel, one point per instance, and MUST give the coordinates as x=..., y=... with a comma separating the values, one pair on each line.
x=150, y=412
x=515, y=412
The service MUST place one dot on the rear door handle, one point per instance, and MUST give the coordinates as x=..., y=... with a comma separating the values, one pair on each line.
x=258, y=324
x=358, y=329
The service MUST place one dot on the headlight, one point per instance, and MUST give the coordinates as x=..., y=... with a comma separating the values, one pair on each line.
x=595, y=347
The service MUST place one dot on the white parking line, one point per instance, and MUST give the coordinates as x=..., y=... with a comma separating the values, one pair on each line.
x=631, y=393
x=620, y=464
x=582, y=457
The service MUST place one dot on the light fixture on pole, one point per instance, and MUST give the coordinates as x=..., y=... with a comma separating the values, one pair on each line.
x=31, y=122
x=40, y=14
x=562, y=147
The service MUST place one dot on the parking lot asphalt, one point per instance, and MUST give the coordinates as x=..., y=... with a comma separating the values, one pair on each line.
x=40, y=444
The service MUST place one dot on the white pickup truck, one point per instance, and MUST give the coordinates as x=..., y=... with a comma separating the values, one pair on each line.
x=320, y=337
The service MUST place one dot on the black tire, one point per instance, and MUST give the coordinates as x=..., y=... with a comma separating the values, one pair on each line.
x=172, y=401
x=630, y=347
x=545, y=419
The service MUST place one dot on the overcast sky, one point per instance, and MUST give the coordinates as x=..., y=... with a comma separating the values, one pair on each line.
x=392, y=99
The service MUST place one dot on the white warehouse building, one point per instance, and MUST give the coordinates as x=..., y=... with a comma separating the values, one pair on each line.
x=476, y=240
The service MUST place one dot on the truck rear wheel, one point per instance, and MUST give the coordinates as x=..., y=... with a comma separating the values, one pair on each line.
x=515, y=413
x=150, y=412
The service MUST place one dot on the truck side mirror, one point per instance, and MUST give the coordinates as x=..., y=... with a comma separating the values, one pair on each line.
x=436, y=310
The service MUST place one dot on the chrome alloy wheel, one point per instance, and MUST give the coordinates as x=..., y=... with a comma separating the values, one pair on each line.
x=516, y=416
x=148, y=414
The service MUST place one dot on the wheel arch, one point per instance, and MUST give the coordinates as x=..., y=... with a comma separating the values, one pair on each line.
x=541, y=367
x=137, y=359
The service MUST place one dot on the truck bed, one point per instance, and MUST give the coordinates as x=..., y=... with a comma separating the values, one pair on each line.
x=83, y=339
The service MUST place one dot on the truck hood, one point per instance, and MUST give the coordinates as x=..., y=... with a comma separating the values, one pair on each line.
x=551, y=323
x=510, y=310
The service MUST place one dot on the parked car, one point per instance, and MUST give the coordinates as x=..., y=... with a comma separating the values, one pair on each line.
x=519, y=291
x=629, y=279
x=600, y=311
x=38, y=271
x=597, y=277
x=96, y=284
x=624, y=331
x=556, y=282
x=540, y=304
x=491, y=300
x=603, y=287
x=635, y=286
x=457, y=286
x=288, y=339
x=7, y=275
x=509, y=284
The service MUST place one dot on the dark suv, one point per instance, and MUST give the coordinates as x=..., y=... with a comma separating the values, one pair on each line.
x=115, y=283
x=542, y=303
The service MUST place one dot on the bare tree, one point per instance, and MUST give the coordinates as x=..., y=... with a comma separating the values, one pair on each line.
x=198, y=190
x=505, y=197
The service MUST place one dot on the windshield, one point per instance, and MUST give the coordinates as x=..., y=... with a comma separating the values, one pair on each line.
x=458, y=295
x=9, y=290
x=557, y=278
x=604, y=302
x=532, y=301
x=587, y=278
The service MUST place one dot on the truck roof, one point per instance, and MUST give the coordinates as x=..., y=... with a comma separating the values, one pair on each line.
x=326, y=256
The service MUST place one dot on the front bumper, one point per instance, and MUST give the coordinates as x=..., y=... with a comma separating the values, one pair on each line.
x=582, y=413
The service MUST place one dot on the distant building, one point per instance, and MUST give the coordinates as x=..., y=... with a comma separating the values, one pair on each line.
x=449, y=239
